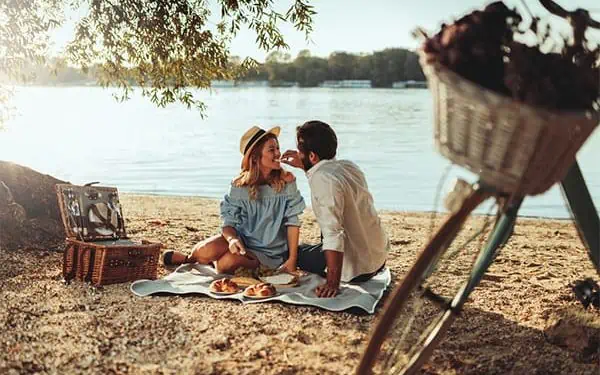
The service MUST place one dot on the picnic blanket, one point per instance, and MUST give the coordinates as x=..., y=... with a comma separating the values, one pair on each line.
x=196, y=278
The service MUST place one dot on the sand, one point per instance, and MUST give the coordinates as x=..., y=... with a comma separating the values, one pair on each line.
x=508, y=326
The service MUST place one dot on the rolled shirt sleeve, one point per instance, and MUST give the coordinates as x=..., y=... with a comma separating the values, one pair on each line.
x=231, y=212
x=295, y=205
x=328, y=195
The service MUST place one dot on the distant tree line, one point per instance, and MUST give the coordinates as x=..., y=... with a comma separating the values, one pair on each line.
x=382, y=68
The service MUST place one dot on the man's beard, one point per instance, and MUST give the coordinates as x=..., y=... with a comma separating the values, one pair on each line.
x=306, y=163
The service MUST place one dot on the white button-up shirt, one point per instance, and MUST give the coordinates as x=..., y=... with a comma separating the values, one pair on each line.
x=346, y=214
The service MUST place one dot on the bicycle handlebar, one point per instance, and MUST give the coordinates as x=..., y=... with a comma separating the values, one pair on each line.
x=577, y=16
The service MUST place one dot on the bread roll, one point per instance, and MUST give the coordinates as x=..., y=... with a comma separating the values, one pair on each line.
x=260, y=290
x=224, y=286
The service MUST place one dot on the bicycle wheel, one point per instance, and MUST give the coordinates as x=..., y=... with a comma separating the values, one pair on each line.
x=418, y=313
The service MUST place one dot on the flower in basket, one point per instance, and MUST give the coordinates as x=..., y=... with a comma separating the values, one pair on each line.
x=488, y=47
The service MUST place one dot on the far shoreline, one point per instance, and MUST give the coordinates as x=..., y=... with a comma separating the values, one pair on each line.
x=439, y=214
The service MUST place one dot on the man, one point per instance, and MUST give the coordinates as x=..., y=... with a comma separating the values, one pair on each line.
x=354, y=244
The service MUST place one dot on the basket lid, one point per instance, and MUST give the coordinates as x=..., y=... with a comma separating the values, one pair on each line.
x=91, y=213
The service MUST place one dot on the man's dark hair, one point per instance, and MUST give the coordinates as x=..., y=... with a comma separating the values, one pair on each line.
x=318, y=137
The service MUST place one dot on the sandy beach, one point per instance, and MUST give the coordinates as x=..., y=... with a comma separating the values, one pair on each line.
x=505, y=328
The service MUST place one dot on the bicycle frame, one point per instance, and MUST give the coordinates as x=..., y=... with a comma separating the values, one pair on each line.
x=586, y=219
x=499, y=236
x=584, y=212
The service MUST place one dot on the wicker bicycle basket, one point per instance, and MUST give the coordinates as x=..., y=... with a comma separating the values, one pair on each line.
x=513, y=147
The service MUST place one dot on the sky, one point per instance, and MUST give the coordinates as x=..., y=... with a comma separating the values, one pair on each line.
x=364, y=26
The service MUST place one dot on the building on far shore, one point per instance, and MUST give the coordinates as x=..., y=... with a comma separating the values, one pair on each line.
x=222, y=83
x=283, y=84
x=347, y=84
x=410, y=85
x=251, y=83
x=232, y=83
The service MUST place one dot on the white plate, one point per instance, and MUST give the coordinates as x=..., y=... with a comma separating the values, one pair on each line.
x=260, y=297
x=224, y=293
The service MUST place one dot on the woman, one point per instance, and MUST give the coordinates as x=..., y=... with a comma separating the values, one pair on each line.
x=260, y=213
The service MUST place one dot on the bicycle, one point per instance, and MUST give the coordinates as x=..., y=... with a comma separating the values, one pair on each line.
x=419, y=300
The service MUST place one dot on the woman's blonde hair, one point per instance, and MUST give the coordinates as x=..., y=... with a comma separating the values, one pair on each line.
x=250, y=177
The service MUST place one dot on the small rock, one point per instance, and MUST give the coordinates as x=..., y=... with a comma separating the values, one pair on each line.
x=401, y=242
x=573, y=332
x=353, y=355
x=493, y=277
x=303, y=338
x=86, y=362
x=158, y=222
x=221, y=343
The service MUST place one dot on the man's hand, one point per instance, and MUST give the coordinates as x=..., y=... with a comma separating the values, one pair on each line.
x=326, y=290
x=236, y=246
x=292, y=157
x=333, y=259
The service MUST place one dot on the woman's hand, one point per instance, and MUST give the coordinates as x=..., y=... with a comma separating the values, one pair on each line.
x=288, y=266
x=292, y=157
x=236, y=246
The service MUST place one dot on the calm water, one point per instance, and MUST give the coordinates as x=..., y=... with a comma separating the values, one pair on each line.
x=82, y=134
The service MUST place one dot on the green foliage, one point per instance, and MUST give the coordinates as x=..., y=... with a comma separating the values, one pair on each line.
x=167, y=48
x=383, y=68
x=24, y=28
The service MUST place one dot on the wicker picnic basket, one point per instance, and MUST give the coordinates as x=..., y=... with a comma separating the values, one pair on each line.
x=98, y=249
x=514, y=147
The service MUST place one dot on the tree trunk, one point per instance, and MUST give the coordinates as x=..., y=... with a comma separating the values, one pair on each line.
x=29, y=214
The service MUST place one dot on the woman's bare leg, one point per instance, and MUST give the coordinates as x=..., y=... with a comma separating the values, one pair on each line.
x=209, y=250
x=203, y=252
x=230, y=262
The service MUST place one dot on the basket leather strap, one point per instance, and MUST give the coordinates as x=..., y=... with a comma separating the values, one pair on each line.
x=104, y=220
x=69, y=272
x=121, y=224
x=90, y=269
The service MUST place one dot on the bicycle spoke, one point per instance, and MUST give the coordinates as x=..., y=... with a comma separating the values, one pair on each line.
x=424, y=312
x=437, y=299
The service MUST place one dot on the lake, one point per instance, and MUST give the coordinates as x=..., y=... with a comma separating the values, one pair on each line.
x=82, y=134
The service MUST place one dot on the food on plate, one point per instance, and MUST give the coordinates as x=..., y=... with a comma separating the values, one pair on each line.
x=245, y=281
x=299, y=273
x=261, y=270
x=280, y=279
x=261, y=290
x=224, y=286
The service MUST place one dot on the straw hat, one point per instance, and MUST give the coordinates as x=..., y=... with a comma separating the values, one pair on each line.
x=250, y=138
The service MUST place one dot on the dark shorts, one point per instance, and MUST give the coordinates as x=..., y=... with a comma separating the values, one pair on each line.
x=311, y=258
